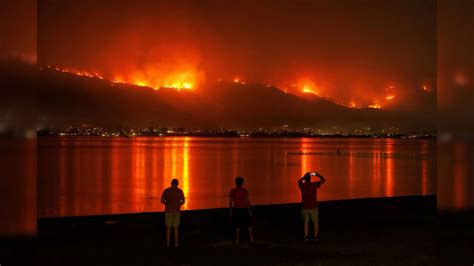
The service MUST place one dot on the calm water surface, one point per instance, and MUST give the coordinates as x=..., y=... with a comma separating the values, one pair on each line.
x=92, y=175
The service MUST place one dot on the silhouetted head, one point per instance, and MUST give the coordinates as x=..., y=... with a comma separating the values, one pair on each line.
x=239, y=181
x=307, y=177
x=174, y=182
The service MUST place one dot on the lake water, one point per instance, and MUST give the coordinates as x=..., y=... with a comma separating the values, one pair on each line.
x=92, y=175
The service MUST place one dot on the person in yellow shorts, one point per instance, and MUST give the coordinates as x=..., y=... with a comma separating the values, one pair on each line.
x=309, y=200
x=172, y=198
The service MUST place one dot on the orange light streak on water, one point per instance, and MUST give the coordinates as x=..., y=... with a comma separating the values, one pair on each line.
x=389, y=181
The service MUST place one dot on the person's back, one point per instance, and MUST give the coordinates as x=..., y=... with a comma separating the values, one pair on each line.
x=309, y=202
x=240, y=197
x=174, y=197
x=309, y=194
x=240, y=204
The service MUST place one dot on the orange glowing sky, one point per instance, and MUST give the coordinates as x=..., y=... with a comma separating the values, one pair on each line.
x=357, y=55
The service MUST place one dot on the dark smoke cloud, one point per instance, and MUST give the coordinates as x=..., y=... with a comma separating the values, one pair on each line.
x=352, y=50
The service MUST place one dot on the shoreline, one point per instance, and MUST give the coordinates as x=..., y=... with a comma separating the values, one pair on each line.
x=336, y=136
x=388, y=231
x=322, y=204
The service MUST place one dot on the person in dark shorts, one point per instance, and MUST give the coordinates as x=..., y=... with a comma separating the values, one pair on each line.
x=172, y=198
x=240, y=212
x=309, y=198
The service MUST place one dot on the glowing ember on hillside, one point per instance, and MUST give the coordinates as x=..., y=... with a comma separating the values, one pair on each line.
x=307, y=86
x=385, y=98
x=461, y=79
x=76, y=72
x=236, y=80
x=179, y=80
x=309, y=90
x=375, y=105
x=141, y=84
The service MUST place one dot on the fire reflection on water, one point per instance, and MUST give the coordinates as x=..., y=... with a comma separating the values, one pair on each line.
x=424, y=171
x=88, y=176
x=185, y=173
x=455, y=168
x=351, y=172
x=305, y=157
x=389, y=183
x=376, y=169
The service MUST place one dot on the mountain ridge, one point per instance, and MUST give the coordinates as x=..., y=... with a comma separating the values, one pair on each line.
x=64, y=99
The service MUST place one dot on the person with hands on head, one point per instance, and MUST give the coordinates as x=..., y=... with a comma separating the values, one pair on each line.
x=309, y=200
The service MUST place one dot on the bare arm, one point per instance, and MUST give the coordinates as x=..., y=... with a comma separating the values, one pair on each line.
x=248, y=205
x=301, y=180
x=182, y=200
x=321, y=177
x=231, y=203
x=163, y=197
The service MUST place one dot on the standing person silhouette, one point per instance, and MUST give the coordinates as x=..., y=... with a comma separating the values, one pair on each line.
x=172, y=198
x=309, y=199
x=240, y=212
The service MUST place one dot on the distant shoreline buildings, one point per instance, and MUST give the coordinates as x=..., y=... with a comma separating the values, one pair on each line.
x=284, y=132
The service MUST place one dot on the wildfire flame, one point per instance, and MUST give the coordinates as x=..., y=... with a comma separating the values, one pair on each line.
x=180, y=80
x=308, y=87
x=189, y=79
x=309, y=91
x=76, y=72
x=375, y=105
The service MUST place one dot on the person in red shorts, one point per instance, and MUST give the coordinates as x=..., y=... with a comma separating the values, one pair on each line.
x=240, y=212
x=309, y=198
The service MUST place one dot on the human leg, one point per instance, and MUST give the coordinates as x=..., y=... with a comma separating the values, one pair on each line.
x=176, y=221
x=250, y=235
x=168, y=235
x=168, y=224
x=237, y=236
x=306, y=217
x=176, y=236
x=238, y=223
x=315, y=219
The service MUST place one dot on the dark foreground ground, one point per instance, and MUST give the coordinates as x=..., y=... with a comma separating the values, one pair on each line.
x=388, y=231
